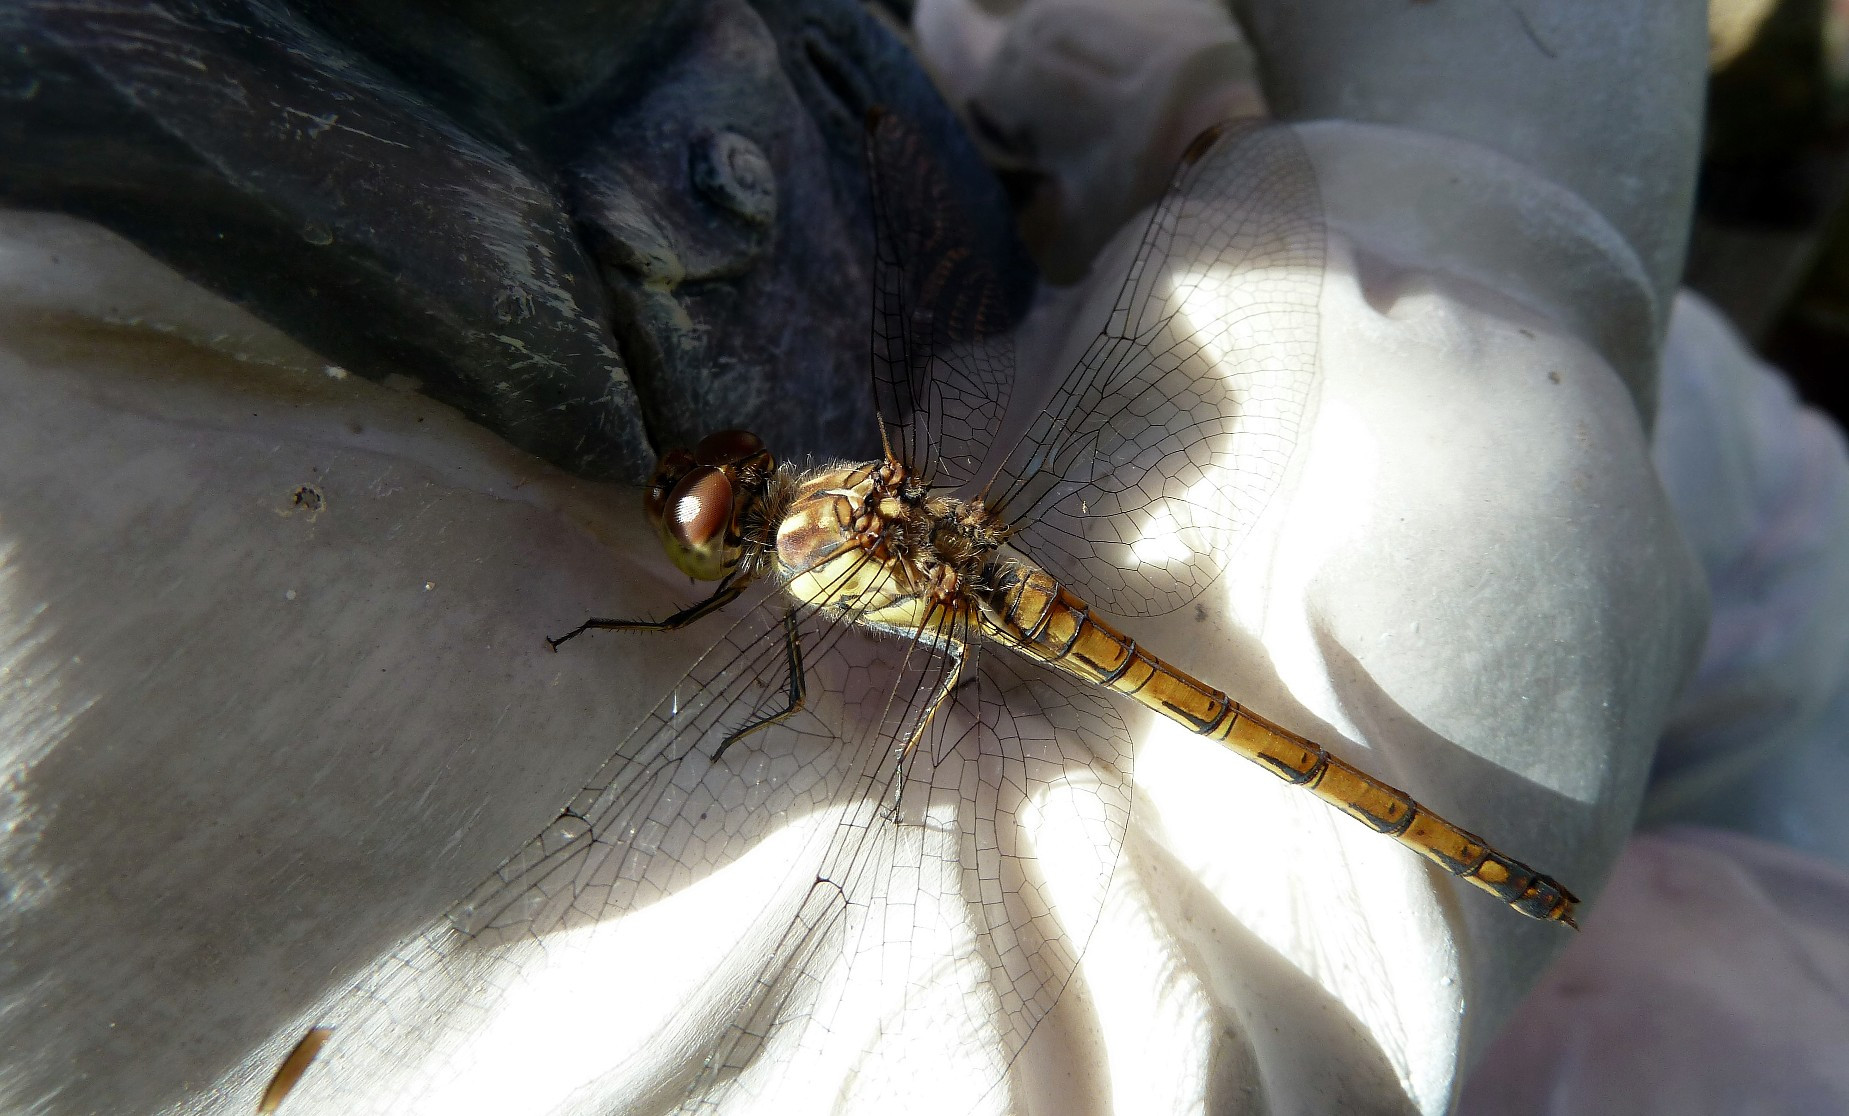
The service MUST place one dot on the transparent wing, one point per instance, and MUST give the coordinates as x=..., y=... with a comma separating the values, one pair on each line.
x=1040, y=777
x=936, y=938
x=485, y=1005
x=692, y=936
x=942, y=359
x=1167, y=439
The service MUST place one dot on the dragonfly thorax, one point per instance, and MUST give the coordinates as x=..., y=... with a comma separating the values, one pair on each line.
x=865, y=541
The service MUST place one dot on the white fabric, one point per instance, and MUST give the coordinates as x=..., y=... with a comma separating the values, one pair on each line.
x=251, y=743
x=255, y=742
x=1760, y=740
x=1714, y=978
x=1709, y=978
x=1714, y=975
x=1099, y=96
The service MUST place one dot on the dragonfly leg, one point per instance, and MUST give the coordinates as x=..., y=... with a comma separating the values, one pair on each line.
x=957, y=651
x=798, y=688
x=727, y=592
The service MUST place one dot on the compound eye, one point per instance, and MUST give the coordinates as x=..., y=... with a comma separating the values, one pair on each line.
x=700, y=507
x=674, y=465
x=697, y=523
x=728, y=447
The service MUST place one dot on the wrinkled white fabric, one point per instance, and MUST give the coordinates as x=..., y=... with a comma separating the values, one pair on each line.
x=1714, y=975
x=254, y=742
x=1096, y=97
x=1714, y=978
x=1760, y=740
x=1715, y=1001
x=290, y=735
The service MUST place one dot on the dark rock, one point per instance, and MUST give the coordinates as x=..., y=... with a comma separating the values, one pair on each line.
x=595, y=228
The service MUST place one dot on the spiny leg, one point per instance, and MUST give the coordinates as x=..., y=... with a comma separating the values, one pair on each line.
x=798, y=683
x=957, y=649
x=727, y=592
x=799, y=689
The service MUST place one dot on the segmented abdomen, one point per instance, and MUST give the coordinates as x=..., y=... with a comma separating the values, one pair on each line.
x=1032, y=611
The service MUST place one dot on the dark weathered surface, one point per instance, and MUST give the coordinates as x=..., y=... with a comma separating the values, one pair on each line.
x=595, y=228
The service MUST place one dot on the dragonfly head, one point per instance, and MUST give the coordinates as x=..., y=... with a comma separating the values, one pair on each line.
x=697, y=501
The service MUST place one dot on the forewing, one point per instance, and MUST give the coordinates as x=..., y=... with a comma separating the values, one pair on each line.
x=932, y=947
x=602, y=957
x=794, y=921
x=943, y=361
x=1041, y=780
x=1167, y=439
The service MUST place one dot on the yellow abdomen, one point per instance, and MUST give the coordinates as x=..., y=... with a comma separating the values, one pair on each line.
x=1028, y=609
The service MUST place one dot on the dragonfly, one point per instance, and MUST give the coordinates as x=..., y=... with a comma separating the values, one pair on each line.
x=919, y=699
